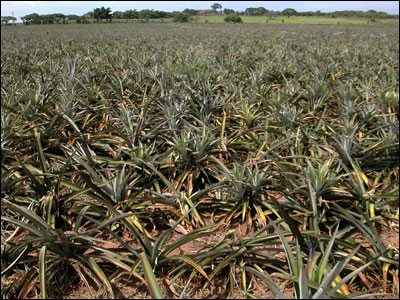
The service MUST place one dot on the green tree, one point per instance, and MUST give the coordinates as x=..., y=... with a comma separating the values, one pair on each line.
x=6, y=19
x=216, y=6
x=131, y=14
x=33, y=18
x=228, y=11
x=233, y=18
x=181, y=17
x=271, y=14
x=191, y=12
x=102, y=13
x=59, y=17
x=289, y=12
x=151, y=14
x=253, y=11
x=47, y=19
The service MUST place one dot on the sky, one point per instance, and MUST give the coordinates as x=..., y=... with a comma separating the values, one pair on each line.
x=22, y=8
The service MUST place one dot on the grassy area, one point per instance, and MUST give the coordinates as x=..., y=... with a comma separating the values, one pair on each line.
x=299, y=20
x=279, y=20
x=200, y=161
x=266, y=20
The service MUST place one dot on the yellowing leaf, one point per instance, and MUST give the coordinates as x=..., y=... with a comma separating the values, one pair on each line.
x=344, y=289
x=365, y=178
x=371, y=210
x=136, y=221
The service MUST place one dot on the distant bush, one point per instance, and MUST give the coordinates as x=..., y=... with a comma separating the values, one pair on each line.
x=181, y=17
x=233, y=18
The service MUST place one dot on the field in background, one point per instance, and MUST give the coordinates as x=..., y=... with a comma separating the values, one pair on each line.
x=275, y=20
x=200, y=160
x=298, y=20
x=262, y=20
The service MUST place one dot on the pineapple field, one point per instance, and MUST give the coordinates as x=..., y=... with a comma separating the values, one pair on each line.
x=200, y=161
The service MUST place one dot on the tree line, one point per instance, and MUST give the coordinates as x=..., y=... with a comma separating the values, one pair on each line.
x=105, y=14
x=288, y=12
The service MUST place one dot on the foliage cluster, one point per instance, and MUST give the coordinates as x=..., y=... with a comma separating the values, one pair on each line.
x=6, y=19
x=142, y=14
x=58, y=18
x=233, y=18
x=102, y=13
x=181, y=17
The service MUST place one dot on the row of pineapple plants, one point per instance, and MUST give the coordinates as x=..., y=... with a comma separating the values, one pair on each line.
x=129, y=133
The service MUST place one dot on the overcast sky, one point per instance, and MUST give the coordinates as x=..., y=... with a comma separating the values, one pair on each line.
x=22, y=8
